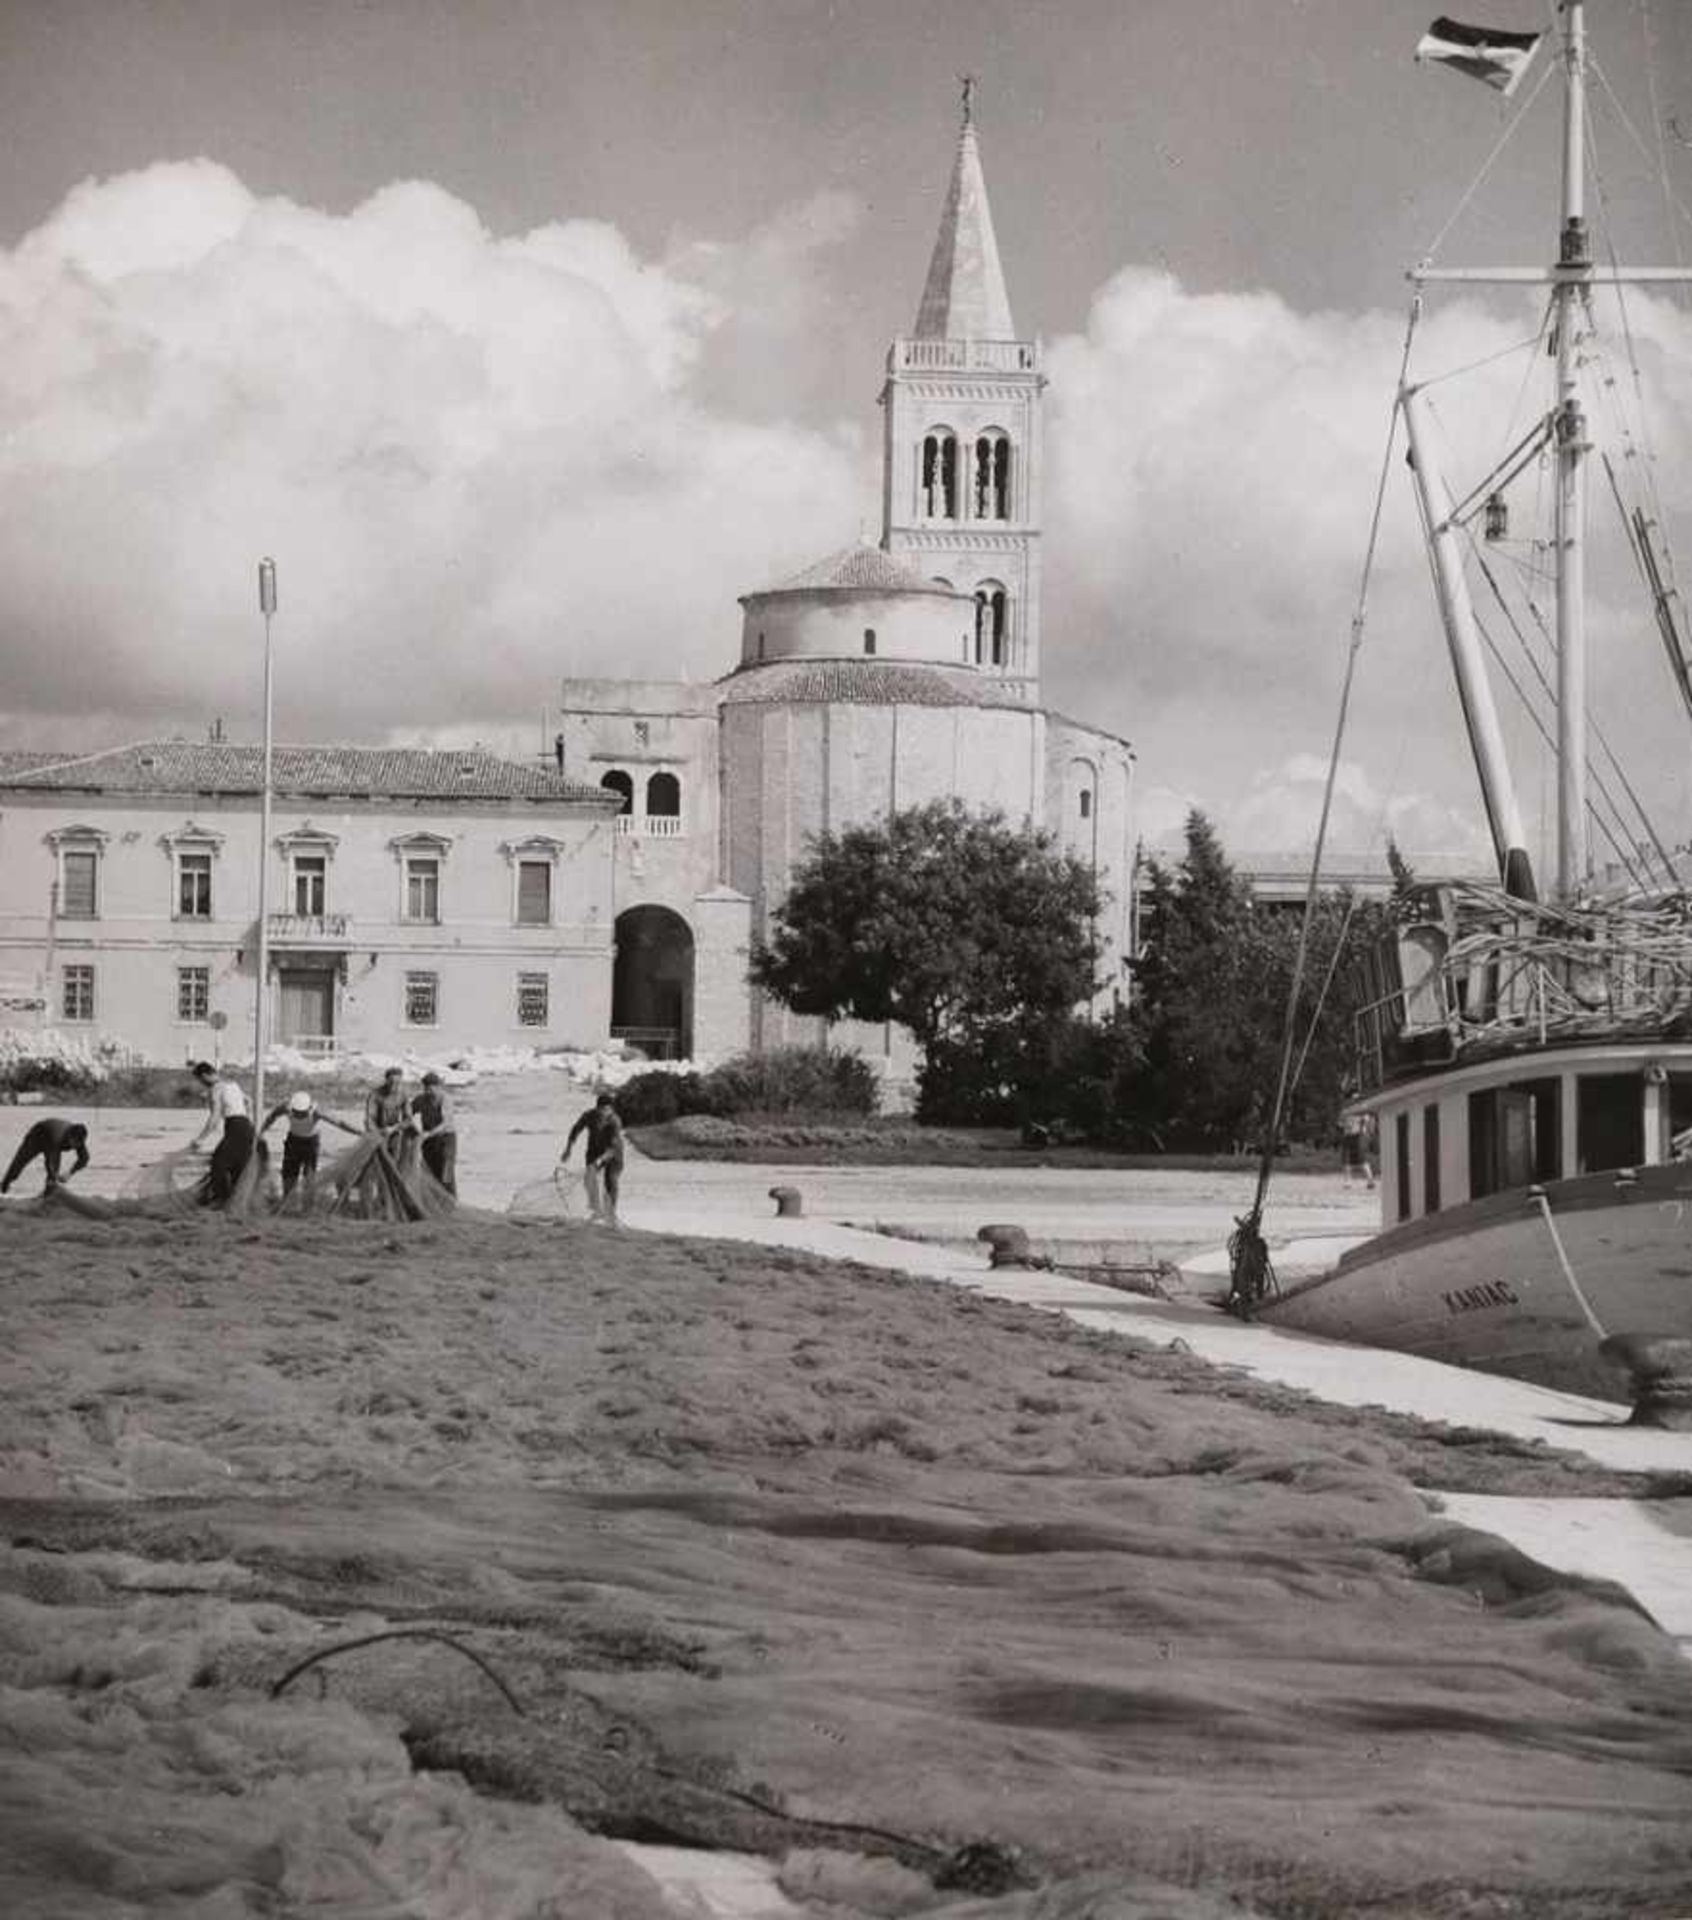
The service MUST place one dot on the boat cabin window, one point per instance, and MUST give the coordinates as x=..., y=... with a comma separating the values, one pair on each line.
x=1610, y=1125
x=1401, y=1163
x=1514, y=1136
x=1676, y=1113
x=1430, y=1159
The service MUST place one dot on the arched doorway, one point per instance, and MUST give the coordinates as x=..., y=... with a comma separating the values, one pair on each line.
x=652, y=982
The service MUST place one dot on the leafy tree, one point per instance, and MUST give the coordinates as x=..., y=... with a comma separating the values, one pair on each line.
x=976, y=935
x=1212, y=984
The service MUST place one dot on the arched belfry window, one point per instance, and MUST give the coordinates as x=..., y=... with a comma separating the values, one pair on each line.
x=992, y=625
x=663, y=796
x=619, y=783
x=938, y=498
x=992, y=488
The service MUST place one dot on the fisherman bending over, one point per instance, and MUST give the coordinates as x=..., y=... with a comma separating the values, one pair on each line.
x=431, y=1112
x=48, y=1141
x=229, y=1122
x=604, y=1157
x=304, y=1144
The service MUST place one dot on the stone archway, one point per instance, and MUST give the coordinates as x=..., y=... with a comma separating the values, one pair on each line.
x=652, y=982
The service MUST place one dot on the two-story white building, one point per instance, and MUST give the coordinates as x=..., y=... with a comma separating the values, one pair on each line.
x=414, y=899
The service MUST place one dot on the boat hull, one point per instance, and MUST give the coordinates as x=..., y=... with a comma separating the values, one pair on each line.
x=1482, y=1285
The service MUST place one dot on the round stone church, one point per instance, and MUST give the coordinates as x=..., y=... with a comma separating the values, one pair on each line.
x=880, y=678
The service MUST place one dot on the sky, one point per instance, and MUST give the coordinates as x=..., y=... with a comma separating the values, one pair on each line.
x=527, y=335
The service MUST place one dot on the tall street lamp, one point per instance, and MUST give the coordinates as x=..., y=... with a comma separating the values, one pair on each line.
x=267, y=606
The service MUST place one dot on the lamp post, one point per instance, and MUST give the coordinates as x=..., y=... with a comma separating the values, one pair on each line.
x=267, y=606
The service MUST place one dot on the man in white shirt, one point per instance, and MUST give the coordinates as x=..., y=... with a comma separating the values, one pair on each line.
x=228, y=1120
x=303, y=1145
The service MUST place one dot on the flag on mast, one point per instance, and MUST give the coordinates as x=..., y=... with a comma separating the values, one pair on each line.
x=1484, y=53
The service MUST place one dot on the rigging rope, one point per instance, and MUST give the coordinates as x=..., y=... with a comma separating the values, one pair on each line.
x=1487, y=164
x=1251, y=1274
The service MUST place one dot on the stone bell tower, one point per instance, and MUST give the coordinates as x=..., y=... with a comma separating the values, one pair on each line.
x=961, y=433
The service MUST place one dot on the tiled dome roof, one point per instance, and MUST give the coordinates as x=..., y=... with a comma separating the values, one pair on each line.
x=858, y=569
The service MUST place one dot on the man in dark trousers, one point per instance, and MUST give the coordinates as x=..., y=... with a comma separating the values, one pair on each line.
x=437, y=1133
x=49, y=1141
x=303, y=1146
x=604, y=1157
x=228, y=1135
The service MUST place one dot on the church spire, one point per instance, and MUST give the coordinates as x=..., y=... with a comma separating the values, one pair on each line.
x=964, y=297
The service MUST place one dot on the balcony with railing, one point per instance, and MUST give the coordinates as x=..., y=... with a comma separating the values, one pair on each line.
x=964, y=356
x=328, y=930
x=650, y=826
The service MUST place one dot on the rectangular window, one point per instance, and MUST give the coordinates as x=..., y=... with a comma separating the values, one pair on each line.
x=78, y=1002
x=422, y=999
x=193, y=886
x=1609, y=1121
x=1401, y=1163
x=1515, y=1136
x=423, y=888
x=79, y=887
x=532, y=993
x=193, y=994
x=534, y=893
x=311, y=884
x=1430, y=1159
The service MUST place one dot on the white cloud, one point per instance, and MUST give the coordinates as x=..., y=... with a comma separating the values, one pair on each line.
x=1213, y=461
x=480, y=463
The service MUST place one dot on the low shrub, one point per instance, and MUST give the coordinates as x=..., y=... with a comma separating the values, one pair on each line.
x=789, y=1080
x=650, y=1099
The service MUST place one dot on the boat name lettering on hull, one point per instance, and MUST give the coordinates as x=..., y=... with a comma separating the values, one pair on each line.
x=1490, y=1293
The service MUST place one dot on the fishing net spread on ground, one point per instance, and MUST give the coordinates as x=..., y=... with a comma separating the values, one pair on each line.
x=562, y=1195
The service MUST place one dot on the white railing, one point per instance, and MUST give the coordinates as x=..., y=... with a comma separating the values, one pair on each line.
x=982, y=356
x=651, y=826
x=308, y=927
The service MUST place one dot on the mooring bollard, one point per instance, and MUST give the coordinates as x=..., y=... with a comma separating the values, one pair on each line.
x=789, y=1206
x=1659, y=1370
x=1007, y=1246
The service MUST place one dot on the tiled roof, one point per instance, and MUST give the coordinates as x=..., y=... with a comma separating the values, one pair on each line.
x=22, y=759
x=874, y=683
x=857, y=569
x=399, y=773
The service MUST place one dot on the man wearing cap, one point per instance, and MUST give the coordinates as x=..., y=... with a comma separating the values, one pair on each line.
x=431, y=1113
x=48, y=1141
x=304, y=1143
x=229, y=1122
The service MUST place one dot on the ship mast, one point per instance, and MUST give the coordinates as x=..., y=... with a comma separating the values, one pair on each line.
x=1569, y=294
x=1571, y=282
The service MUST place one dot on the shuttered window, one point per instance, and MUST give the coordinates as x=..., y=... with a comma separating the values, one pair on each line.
x=534, y=893
x=79, y=893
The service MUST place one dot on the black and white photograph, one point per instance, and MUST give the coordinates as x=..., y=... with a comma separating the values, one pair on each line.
x=845, y=960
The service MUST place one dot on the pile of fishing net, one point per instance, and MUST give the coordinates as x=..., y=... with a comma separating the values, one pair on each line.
x=375, y=1178
x=562, y=1195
